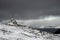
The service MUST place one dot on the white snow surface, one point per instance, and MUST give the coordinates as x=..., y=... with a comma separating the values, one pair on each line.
x=24, y=33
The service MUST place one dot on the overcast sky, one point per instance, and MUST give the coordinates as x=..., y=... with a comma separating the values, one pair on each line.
x=29, y=9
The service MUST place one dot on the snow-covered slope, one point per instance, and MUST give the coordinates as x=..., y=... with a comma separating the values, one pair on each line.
x=24, y=33
x=17, y=33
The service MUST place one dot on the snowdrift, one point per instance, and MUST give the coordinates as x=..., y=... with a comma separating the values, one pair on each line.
x=24, y=33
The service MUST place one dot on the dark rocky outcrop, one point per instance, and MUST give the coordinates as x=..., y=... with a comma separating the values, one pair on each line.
x=57, y=32
x=49, y=30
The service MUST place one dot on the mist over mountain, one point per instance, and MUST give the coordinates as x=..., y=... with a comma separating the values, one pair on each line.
x=46, y=22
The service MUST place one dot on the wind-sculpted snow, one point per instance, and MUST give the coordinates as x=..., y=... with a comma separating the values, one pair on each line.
x=24, y=33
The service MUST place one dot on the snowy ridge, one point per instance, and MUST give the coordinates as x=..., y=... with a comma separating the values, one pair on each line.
x=16, y=33
x=23, y=33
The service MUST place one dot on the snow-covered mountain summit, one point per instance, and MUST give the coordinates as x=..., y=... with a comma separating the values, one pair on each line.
x=9, y=32
x=18, y=33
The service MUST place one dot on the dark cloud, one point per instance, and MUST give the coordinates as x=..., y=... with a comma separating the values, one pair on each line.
x=27, y=9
